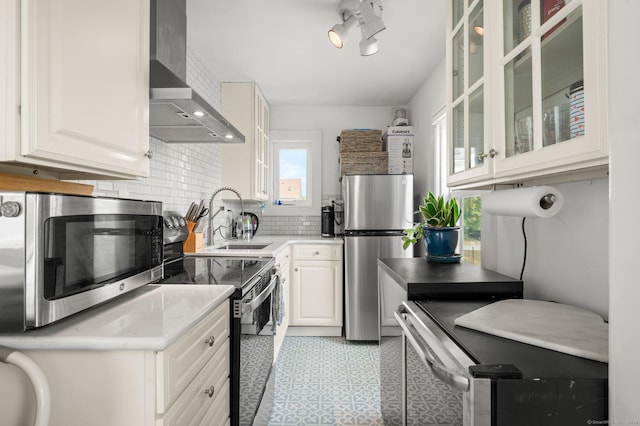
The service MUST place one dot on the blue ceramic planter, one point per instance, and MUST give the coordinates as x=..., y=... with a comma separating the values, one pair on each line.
x=440, y=242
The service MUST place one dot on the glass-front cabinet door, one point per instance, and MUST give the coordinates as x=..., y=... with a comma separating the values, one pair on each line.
x=551, y=75
x=526, y=90
x=466, y=86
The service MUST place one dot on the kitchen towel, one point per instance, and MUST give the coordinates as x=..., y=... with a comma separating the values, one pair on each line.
x=536, y=201
x=278, y=301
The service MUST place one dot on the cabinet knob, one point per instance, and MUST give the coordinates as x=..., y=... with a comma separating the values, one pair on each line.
x=149, y=154
x=210, y=391
x=296, y=269
x=316, y=252
x=492, y=153
x=210, y=341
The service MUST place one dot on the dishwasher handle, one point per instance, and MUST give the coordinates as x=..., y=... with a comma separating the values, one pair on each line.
x=449, y=377
x=250, y=306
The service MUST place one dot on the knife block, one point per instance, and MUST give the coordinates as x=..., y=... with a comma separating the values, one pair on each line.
x=194, y=240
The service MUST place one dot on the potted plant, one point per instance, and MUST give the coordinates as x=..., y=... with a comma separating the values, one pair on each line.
x=438, y=228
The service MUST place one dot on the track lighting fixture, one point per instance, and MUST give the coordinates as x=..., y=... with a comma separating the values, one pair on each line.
x=367, y=14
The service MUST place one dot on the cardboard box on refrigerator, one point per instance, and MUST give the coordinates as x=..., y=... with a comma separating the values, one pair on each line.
x=398, y=142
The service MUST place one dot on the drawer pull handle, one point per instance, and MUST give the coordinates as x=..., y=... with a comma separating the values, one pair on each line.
x=210, y=391
x=210, y=341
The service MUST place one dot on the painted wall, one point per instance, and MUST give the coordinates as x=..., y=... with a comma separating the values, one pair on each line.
x=331, y=120
x=624, y=142
x=427, y=101
x=567, y=255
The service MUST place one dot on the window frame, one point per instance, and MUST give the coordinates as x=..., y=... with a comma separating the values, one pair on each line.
x=296, y=139
x=441, y=171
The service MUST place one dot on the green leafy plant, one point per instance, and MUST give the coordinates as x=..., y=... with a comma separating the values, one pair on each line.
x=437, y=213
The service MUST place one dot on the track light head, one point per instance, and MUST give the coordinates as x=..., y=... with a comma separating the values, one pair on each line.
x=339, y=33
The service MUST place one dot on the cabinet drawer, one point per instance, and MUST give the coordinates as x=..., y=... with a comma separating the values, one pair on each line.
x=181, y=362
x=317, y=252
x=194, y=405
x=282, y=259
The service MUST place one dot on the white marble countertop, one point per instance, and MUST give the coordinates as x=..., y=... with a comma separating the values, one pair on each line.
x=149, y=318
x=274, y=244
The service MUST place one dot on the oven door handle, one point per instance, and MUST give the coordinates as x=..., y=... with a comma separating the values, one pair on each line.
x=248, y=307
x=451, y=378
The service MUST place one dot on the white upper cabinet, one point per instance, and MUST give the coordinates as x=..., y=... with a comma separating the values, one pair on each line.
x=245, y=167
x=545, y=79
x=83, y=72
x=469, y=90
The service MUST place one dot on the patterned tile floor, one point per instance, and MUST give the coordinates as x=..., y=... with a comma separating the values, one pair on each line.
x=326, y=381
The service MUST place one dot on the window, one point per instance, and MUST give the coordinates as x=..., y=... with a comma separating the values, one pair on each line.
x=296, y=172
x=469, y=201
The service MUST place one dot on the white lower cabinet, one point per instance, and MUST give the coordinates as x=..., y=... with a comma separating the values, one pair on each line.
x=186, y=384
x=316, y=285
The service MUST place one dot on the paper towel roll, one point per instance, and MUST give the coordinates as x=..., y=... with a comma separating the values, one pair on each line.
x=536, y=201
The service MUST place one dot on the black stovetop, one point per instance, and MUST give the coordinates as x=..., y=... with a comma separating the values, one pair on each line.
x=214, y=270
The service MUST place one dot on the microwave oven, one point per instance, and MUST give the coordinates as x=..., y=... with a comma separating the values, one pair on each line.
x=61, y=254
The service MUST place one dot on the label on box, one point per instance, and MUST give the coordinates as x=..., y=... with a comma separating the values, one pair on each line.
x=398, y=142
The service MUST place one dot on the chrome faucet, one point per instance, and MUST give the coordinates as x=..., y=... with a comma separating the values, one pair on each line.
x=212, y=232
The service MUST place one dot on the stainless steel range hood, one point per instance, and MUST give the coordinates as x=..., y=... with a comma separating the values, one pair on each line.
x=177, y=114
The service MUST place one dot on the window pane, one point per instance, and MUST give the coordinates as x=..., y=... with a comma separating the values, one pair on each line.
x=458, y=139
x=471, y=229
x=458, y=64
x=476, y=45
x=519, y=104
x=476, y=127
x=292, y=174
x=562, y=76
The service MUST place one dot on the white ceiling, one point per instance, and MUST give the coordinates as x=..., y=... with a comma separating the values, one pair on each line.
x=283, y=46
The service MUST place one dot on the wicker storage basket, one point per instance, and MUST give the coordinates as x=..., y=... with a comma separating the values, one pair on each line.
x=364, y=163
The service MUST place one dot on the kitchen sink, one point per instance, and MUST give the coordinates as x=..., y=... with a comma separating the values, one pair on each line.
x=244, y=246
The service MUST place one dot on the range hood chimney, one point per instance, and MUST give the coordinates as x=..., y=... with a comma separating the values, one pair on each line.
x=177, y=114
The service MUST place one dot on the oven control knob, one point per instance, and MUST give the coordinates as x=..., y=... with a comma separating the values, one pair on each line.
x=182, y=221
x=10, y=209
x=168, y=223
x=176, y=222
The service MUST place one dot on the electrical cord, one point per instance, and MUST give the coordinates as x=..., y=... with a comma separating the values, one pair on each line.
x=524, y=260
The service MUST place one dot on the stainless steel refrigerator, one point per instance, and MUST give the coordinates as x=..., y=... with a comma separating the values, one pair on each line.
x=376, y=210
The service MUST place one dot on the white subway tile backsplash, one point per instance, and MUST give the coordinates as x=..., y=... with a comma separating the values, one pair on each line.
x=182, y=173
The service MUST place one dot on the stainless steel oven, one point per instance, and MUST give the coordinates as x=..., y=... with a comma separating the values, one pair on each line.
x=60, y=254
x=252, y=324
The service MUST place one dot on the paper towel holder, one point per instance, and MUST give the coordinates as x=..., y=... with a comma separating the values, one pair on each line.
x=547, y=201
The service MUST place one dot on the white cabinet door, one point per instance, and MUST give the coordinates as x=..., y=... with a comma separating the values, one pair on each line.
x=539, y=110
x=85, y=86
x=245, y=167
x=552, y=79
x=316, y=293
x=468, y=94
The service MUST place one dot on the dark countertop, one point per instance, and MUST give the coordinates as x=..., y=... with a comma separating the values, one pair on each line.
x=485, y=348
x=422, y=279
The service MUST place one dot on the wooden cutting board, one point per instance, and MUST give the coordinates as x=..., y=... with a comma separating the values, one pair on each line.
x=562, y=328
